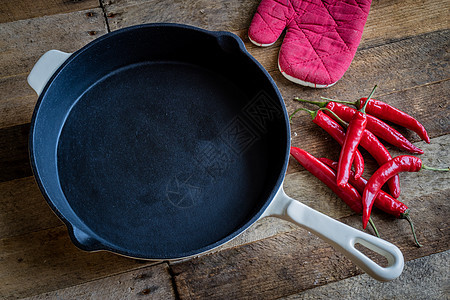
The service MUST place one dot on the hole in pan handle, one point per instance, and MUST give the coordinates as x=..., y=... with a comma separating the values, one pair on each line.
x=44, y=69
x=340, y=236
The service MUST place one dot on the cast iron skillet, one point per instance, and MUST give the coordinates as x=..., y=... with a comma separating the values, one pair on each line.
x=163, y=141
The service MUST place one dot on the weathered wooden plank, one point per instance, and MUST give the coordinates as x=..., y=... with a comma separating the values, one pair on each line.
x=150, y=282
x=12, y=10
x=17, y=101
x=23, y=42
x=421, y=279
x=23, y=208
x=213, y=15
x=296, y=261
x=390, y=21
x=390, y=57
x=386, y=65
x=46, y=260
x=14, y=161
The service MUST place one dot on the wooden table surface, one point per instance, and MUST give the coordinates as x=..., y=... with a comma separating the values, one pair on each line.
x=404, y=49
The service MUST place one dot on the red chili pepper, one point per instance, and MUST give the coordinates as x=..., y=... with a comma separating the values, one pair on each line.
x=384, y=111
x=370, y=142
x=377, y=127
x=403, y=163
x=346, y=192
x=337, y=132
x=381, y=155
x=353, y=136
x=355, y=131
x=383, y=201
x=379, y=110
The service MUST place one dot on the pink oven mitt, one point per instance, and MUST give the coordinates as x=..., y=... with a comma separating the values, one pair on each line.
x=321, y=38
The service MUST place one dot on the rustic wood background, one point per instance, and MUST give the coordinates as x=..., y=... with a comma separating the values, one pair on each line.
x=404, y=50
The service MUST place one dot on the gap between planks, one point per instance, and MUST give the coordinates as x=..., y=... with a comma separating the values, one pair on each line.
x=13, y=10
x=152, y=281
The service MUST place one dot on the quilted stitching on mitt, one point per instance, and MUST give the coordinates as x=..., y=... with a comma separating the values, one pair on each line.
x=321, y=36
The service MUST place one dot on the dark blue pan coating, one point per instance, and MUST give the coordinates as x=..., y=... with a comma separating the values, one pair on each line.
x=159, y=141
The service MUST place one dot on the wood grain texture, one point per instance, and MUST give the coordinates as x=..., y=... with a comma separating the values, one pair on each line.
x=46, y=260
x=149, y=282
x=419, y=280
x=23, y=42
x=390, y=21
x=12, y=10
x=212, y=15
x=17, y=102
x=23, y=209
x=387, y=22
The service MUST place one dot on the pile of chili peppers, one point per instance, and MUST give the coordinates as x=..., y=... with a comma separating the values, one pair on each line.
x=363, y=127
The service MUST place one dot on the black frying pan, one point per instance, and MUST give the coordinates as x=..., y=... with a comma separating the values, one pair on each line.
x=164, y=141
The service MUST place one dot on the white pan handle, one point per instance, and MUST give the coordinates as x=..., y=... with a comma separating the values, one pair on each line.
x=340, y=236
x=44, y=69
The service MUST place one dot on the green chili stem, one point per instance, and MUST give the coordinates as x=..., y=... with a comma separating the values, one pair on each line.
x=406, y=216
x=312, y=113
x=373, y=227
x=319, y=104
x=363, y=109
x=435, y=169
x=343, y=123
x=339, y=101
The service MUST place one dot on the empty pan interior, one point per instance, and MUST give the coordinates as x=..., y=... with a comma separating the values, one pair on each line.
x=160, y=141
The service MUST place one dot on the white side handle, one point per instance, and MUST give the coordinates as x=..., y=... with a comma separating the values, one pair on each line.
x=340, y=236
x=44, y=69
